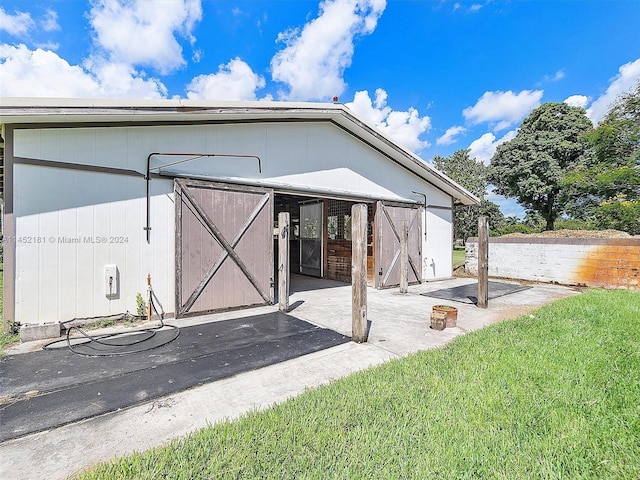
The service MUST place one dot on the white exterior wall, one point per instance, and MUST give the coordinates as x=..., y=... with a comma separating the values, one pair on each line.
x=437, y=247
x=611, y=263
x=58, y=280
x=299, y=155
x=73, y=225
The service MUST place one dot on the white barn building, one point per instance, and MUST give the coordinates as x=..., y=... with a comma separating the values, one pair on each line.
x=99, y=194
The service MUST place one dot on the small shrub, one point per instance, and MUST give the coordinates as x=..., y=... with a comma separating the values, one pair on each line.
x=141, y=305
x=11, y=336
x=574, y=224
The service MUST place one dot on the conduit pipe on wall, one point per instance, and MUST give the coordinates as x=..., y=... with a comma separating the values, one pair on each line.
x=424, y=204
x=193, y=156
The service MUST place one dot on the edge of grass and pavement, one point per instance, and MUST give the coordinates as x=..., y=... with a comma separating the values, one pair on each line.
x=547, y=395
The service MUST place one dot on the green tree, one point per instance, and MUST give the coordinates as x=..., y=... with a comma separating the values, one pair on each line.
x=607, y=190
x=472, y=175
x=464, y=170
x=532, y=166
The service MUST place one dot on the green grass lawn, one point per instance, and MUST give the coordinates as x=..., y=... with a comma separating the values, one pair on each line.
x=458, y=256
x=554, y=395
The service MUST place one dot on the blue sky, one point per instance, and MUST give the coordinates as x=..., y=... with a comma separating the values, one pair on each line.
x=434, y=75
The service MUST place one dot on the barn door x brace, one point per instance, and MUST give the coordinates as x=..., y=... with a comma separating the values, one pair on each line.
x=189, y=157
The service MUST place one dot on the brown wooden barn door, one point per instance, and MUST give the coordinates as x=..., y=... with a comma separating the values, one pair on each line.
x=224, y=246
x=388, y=227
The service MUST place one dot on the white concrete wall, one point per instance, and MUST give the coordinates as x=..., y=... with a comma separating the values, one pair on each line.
x=591, y=262
x=58, y=280
x=553, y=263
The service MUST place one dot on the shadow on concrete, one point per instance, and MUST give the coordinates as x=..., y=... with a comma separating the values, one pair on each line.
x=469, y=293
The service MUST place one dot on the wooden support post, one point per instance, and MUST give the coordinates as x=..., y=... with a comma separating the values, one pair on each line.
x=283, y=261
x=359, y=273
x=483, y=262
x=404, y=257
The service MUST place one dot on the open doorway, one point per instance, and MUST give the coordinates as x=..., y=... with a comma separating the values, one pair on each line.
x=320, y=238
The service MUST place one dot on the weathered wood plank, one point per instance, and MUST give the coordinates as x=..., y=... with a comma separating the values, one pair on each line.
x=483, y=262
x=177, y=189
x=404, y=257
x=283, y=261
x=359, y=273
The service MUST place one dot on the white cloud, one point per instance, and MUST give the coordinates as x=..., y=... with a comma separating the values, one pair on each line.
x=313, y=61
x=50, y=21
x=404, y=127
x=120, y=80
x=450, y=135
x=577, y=101
x=483, y=148
x=460, y=7
x=42, y=73
x=234, y=81
x=626, y=79
x=372, y=112
x=143, y=32
x=503, y=109
x=559, y=75
x=16, y=25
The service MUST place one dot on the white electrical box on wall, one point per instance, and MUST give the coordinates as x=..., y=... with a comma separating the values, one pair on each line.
x=111, y=281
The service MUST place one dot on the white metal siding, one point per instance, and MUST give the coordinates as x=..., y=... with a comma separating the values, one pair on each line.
x=58, y=279
x=437, y=258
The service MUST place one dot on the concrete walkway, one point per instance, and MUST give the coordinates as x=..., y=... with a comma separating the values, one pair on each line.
x=399, y=326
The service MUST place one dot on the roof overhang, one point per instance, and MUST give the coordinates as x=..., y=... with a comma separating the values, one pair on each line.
x=51, y=111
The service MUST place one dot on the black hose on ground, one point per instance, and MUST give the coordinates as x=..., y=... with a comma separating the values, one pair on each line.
x=119, y=343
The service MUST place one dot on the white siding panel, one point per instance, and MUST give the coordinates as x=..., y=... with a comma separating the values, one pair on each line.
x=68, y=145
x=49, y=286
x=159, y=260
x=437, y=258
x=102, y=256
x=131, y=273
x=27, y=262
x=68, y=261
x=60, y=265
x=85, y=273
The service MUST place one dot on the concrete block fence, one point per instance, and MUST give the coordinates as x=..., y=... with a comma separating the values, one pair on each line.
x=602, y=262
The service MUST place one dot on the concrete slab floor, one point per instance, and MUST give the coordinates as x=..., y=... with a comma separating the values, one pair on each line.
x=399, y=325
